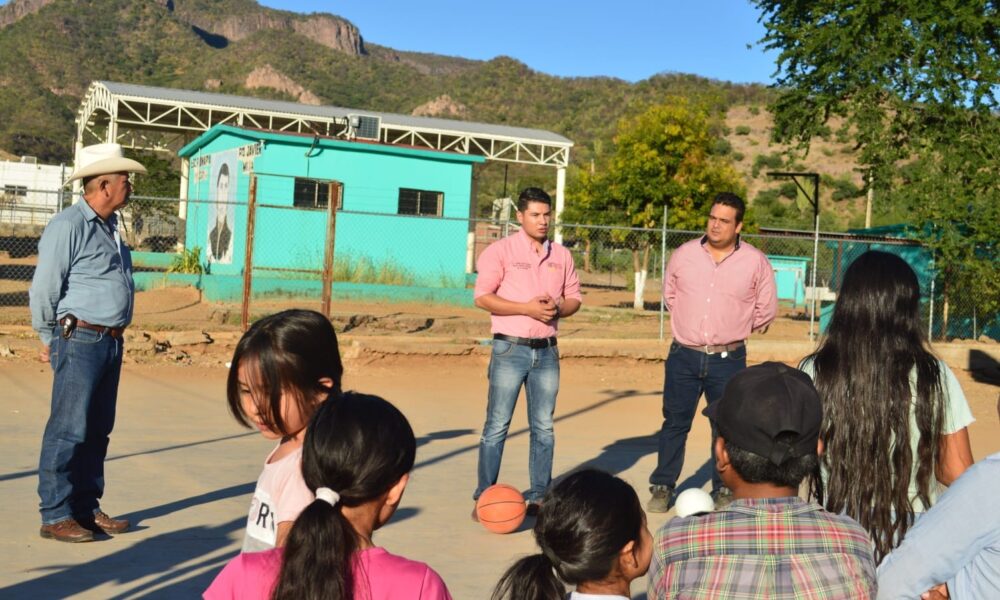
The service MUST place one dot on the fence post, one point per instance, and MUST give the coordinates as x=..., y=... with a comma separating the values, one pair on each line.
x=248, y=258
x=930, y=316
x=663, y=266
x=815, y=295
x=334, y=195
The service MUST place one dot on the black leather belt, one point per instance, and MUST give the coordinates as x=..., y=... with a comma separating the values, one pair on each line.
x=529, y=342
x=69, y=323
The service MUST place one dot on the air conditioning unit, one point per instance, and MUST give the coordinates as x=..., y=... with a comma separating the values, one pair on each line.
x=364, y=127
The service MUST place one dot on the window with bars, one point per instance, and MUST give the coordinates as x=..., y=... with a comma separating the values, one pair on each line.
x=19, y=191
x=420, y=202
x=310, y=193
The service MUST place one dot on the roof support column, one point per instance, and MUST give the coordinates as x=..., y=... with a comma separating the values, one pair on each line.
x=560, y=200
x=77, y=184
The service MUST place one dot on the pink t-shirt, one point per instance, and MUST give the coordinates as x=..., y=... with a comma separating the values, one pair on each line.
x=378, y=575
x=511, y=269
x=715, y=304
x=280, y=496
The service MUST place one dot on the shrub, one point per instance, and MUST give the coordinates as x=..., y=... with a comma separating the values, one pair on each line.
x=188, y=261
x=742, y=130
x=770, y=161
x=722, y=147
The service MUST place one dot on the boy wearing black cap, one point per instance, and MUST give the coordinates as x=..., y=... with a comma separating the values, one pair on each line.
x=768, y=543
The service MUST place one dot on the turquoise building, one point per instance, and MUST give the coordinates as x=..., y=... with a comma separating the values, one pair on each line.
x=403, y=215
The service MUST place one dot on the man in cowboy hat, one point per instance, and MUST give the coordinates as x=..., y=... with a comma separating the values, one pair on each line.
x=81, y=301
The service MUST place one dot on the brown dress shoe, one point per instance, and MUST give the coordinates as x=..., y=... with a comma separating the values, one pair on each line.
x=67, y=530
x=101, y=521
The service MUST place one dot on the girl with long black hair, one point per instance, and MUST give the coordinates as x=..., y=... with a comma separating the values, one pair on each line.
x=592, y=534
x=357, y=456
x=895, y=418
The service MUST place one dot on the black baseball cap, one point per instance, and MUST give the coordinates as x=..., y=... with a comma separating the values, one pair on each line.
x=763, y=401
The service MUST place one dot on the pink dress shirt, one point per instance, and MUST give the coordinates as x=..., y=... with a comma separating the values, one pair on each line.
x=714, y=304
x=511, y=269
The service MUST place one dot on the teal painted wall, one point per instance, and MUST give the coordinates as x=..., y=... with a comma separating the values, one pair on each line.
x=417, y=251
x=229, y=288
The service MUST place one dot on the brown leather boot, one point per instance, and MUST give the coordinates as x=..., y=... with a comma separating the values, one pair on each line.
x=102, y=522
x=67, y=530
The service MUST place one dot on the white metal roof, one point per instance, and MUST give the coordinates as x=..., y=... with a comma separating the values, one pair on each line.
x=123, y=111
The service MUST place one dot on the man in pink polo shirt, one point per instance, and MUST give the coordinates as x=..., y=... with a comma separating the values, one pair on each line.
x=718, y=289
x=527, y=283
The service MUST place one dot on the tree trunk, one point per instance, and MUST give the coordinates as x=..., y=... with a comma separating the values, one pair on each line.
x=586, y=256
x=641, y=268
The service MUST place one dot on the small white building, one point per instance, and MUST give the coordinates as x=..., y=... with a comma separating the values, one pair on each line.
x=30, y=193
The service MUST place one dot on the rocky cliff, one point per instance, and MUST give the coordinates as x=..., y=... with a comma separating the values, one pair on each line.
x=326, y=30
x=15, y=10
x=232, y=21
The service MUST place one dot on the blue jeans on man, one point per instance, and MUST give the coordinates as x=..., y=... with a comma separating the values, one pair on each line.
x=86, y=369
x=537, y=370
x=687, y=374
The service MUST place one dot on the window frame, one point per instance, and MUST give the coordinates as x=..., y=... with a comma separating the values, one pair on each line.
x=317, y=185
x=420, y=199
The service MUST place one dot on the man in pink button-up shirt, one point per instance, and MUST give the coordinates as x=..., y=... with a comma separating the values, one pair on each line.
x=718, y=289
x=527, y=283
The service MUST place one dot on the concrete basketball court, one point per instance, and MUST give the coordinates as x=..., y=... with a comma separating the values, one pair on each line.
x=182, y=470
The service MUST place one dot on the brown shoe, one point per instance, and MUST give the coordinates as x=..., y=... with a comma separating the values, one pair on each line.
x=102, y=522
x=67, y=530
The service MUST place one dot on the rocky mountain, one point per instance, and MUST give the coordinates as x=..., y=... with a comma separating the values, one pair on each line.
x=50, y=51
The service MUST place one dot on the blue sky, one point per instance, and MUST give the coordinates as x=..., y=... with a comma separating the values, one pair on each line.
x=629, y=39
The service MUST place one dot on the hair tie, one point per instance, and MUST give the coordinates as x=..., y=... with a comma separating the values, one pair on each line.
x=327, y=495
x=551, y=556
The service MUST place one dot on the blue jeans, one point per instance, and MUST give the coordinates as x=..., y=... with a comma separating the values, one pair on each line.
x=512, y=366
x=688, y=373
x=86, y=370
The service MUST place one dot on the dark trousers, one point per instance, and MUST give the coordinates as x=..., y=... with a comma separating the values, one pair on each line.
x=687, y=374
x=86, y=371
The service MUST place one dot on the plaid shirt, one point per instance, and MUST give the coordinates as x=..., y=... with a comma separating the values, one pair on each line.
x=776, y=548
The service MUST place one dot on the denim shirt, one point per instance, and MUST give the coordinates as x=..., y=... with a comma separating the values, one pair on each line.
x=85, y=269
x=956, y=542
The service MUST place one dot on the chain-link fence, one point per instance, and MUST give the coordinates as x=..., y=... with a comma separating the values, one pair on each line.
x=272, y=248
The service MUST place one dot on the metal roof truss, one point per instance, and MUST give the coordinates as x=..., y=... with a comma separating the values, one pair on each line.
x=105, y=116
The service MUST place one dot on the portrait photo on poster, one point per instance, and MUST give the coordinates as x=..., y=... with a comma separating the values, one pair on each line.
x=222, y=194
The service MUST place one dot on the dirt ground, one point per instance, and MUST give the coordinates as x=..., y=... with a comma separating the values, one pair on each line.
x=182, y=470
x=607, y=313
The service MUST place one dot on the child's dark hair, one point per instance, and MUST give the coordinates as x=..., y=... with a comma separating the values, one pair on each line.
x=358, y=446
x=586, y=519
x=289, y=352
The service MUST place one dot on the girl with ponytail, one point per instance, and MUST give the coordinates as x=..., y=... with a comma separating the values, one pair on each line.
x=593, y=535
x=357, y=456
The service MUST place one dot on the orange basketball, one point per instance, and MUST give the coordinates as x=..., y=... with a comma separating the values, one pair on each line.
x=500, y=508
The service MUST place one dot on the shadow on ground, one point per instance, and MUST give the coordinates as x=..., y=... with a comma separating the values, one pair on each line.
x=984, y=368
x=613, y=396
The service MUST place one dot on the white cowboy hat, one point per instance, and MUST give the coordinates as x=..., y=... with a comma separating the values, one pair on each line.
x=102, y=159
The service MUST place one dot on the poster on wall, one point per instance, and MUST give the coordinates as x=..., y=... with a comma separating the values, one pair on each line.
x=222, y=195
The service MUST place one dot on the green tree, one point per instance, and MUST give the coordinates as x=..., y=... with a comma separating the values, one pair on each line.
x=916, y=83
x=664, y=157
x=154, y=196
